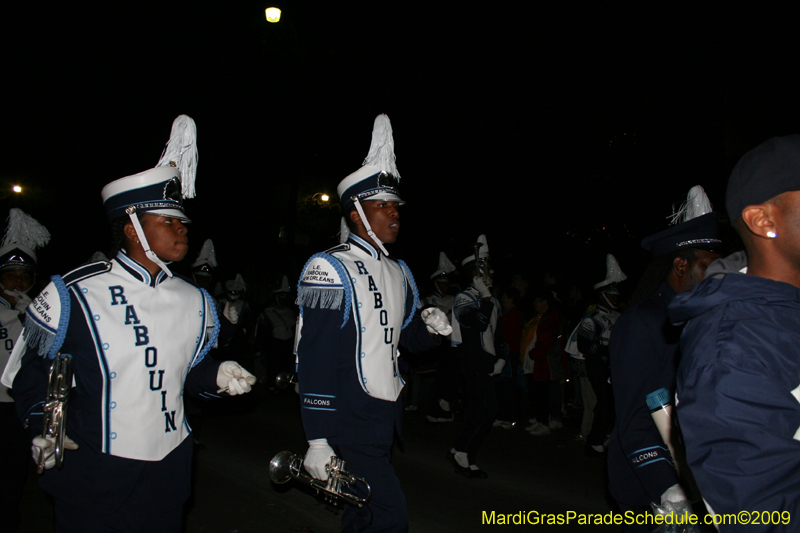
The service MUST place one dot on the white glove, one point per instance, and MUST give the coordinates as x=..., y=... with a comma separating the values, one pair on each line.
x=48, y=446
x=317, y=458
x=498, y=367
x=436, y=321
x=674, y=502
x=23, y=300
x=674, y=494
x=483, y=289
x=235, y=378
x=230, y=312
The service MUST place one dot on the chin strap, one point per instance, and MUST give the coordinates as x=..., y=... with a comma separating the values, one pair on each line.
x=368, y=227
x=150, y=253
x=612, y=306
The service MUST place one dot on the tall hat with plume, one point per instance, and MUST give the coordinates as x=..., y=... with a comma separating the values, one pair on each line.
x=23, y=236
x=483, y=253
x=614, y=275
x=206, y=260
x=160, y=190
x=694, y=225
x=234, y=287
x=445, y=267
x=284, y=288
x=377, y=179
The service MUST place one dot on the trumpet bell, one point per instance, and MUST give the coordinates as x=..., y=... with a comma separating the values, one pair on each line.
x=287, y=465
x=280, y=467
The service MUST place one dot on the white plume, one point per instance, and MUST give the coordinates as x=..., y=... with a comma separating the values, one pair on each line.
x=696, y=204
x=25, y=230
x=181, y=152
x=381, y=149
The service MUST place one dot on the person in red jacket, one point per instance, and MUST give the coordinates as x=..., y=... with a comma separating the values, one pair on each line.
x=542, y=365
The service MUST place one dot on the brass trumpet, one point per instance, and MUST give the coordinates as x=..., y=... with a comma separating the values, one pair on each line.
x=482, y=266
x=55, y=407
x=286, y=465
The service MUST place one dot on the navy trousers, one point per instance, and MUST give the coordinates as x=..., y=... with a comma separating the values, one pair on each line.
x=386, y=510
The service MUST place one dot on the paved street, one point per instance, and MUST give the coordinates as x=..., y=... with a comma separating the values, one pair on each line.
x=233, y=492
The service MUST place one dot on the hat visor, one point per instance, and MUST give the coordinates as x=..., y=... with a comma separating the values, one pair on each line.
x=384, y=196
x=169, y=213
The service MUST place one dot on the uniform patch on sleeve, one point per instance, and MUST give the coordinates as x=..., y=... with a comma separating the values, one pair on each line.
x=324, y=284
x=48, y=312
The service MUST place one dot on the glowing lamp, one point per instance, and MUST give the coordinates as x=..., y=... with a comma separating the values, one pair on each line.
x=273, y=14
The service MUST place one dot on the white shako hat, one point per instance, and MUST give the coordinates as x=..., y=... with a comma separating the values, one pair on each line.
x=614, y=275
x=206, y=260
x=236, y=286
x=483, y=253
x=284, y=288
x=377, y=179
x=445, y=267
x=23, y=235
x=161, y=190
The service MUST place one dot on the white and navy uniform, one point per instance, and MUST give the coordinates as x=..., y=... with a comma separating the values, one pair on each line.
x=590, y=340
x=478, y=331
x=138, y=343
x=356, y=306
x=10, y=329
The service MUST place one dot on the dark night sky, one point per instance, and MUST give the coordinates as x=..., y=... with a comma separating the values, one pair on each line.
x=524, y=123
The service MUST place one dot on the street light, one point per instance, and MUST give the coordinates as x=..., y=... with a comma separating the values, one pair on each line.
x=8, y=192
x=273, y=14
x=320, y=198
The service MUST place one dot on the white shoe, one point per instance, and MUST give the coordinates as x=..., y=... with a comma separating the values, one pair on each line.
x=556, y=424
x=538, y=430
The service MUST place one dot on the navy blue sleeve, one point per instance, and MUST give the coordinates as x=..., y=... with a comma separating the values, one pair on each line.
x=416, y=338
x=30, y=389
x=317, y=351
x=202, y=379
x=641, y=363
x=740, y=416
x=473, y=315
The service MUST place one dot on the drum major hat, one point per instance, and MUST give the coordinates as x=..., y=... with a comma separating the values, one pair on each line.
x=23, y=235
x=160, y=190
x=614, y=275
x=378, y=178
x=695, y=226
x=445, y=267
x=206, y=260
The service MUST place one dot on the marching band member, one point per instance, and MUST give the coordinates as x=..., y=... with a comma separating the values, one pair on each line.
x=17, y=274
x=479, y=333
x=644, y=356
x=357, y=304
x=138, y=338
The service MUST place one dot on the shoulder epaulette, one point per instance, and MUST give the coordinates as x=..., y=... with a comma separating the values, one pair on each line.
x=325, y=284
x=339, y=248
x=86, y=271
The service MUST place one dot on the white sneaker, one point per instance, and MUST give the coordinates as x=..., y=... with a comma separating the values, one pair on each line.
x=556, y=424
x=538, y=430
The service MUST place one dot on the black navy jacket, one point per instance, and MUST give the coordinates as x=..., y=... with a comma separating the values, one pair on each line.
x=738, y=390
x=643, y=355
